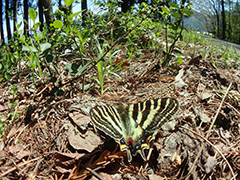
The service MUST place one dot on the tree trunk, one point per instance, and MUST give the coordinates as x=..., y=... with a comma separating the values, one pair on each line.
x=223, y=21
x=7, y=20
x=48, y=11
x=1, y=24
x=84, y=11
x=25, y=17
x=59, y=4
x=216, y=8
x=229, y=30
x=40, y=9
x=126, y=5
x=15, y=2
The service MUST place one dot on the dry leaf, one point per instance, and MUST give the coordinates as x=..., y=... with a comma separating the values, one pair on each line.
x=80, y=119
x=18, y=151
x=89, y=142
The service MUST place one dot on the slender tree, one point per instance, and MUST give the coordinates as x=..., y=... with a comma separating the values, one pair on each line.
x=15, y=4
x=126, y=5
x=59, y=4
x=229, y=29
x=48, y=11
x=223, y=21
x=40, y=13
x=84, y=11
x=7, y=20
x=215, y=6
x=1, y=24
x=25, y=17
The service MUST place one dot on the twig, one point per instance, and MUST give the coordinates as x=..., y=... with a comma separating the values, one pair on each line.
x=233, y=108
x=95, y=169
x=20, y=165
x=33, y=174
x=208, y=133
x=94, y=173
x=230, y=167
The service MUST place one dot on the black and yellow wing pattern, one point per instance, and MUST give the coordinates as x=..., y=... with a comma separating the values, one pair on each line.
x=133, y=126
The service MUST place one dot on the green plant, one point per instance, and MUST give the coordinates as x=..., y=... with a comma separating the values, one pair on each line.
x=12, y=114
x=101, y=67
x=2, y=126
x=172, y=23
x=105, y=67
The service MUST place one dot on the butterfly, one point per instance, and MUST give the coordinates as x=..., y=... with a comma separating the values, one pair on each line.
x=133, y=127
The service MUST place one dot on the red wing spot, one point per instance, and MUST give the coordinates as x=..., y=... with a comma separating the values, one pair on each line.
x=130, y=141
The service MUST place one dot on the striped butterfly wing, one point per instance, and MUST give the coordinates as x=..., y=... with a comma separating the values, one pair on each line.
x=107, y=119
x=133, y=126
x=152, y=114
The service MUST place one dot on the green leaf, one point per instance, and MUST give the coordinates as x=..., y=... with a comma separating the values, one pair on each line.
x=22, y=38
x=57, y=24
x=173, y=5
x=75, y=14
x=100, y=74
x=35, y=26
x=165, y=10
x=61, y=12
x=68, y=2
x=19, y=24
x=72, y=68
x=80, y=70
x=179, y=60
x=32, y=65
x=187, y=12
x=176, y=15
x=45, y=46
x=30, y=48
x=32, y=14
x=87, y=86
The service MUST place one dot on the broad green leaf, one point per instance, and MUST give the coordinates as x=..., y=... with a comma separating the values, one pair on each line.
x=45, y=46
x=36, y=25
x=22, y=38
x=30, y=48
x=32, y=14
x=173, y=5
x=187, y=12
x=57, y=24
x=179, y=60
x=165, y=10
x=72, y=67
x=176, y=15
x=68, y=2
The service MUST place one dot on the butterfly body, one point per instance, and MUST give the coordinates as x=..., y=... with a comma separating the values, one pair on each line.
x=134, y=126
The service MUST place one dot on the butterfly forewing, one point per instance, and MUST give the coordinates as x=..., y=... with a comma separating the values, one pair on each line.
x=107, y=119
x=133, y=126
